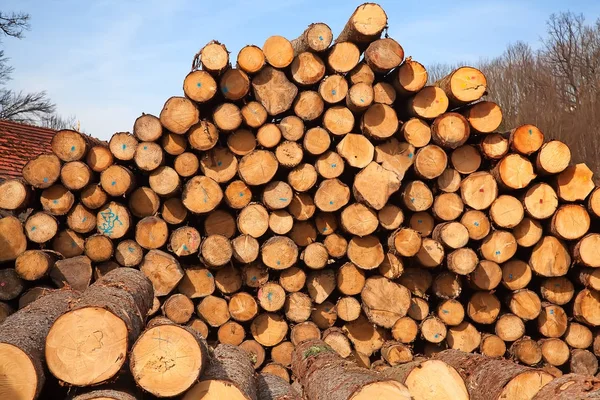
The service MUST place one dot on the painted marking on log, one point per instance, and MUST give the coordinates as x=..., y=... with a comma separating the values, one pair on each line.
x=219, y=163
x=325, y=229
x=331, y=202
x=362, y=100
x=84, y=219
x=55, y=201
x=410, y=155
x=419, y=221
x=541, y=201
x=412, y=199
x=497, y=252
x=110, y=219
x=72, y=148
x=124, y=146
x=145, y=147
x=241, y=194
x=199, y=84
x=185, y=248
x=551, y=311
x=476, y=223
x=333, y=165
x=209, y=274
x=73, y=244
x=510, y=276
x=436, y=335
x=321, y=38
x=333, y=92
x=113, y=183
x=253, y=279
x=445, y=311
x=270, y=296
x=282, y=199
x=45, y=180
x=278, y=262
x=481, y=190
x=33, y=228
x=225, y=89
x=530, y=132
x=131, y=249
x=3, y=284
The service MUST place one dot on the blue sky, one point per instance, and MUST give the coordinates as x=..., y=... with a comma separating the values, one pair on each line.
x=107, y=61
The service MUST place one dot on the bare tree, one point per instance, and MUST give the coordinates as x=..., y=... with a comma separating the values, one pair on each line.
x=19, y=106
x=57, y=122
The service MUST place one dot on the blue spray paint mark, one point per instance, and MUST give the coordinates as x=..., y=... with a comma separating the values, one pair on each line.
x=282, y=199
x=530, y=132
x=497, y=252
x=145, y=147
x=241, y=194
x=333, y=165
x=445, y=311
x=325, y=229
x=45, y=180
x=72, y=148
x=225, y=90
x=270, y=296
x=476, y=223
x=253, y=279
x=331, y=202
x=73, y=244
x=33, y=228
x=362, y=100
x=55, y=201
x=333, y=92
x=199, y=84
x=412, y=199
x=84, y=219
x=124, y=146
x=113, y=183
x=321, y=38
x=278, y=262
x=110, y=219
x=419, y=221
x=131, y=249
x=410, y=155
x=327, y=309
x=510, y=276
x=209, y=274
x=436, y=335
x=219, y=163
x=551, y=311
x=185, y=248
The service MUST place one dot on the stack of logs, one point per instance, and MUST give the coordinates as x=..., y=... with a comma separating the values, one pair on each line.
x=311, y=192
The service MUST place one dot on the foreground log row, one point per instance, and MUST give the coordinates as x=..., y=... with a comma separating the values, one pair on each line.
x=318, y=190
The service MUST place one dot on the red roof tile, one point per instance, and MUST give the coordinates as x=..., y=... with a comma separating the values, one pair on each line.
x=19, y=143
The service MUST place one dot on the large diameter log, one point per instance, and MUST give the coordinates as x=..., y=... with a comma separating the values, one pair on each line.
x=365, y=24
x=88, y=344
x=325, y=375
x=229, y=375
x=272, y=387
x=43, y=171
x=273, y=90
x=570, y=387
x=429, y=380
x=494, y=379
x=22, y=337
x=168, y=359
x=384, y=301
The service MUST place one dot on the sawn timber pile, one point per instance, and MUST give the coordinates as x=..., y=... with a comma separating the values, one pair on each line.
x=319, y=189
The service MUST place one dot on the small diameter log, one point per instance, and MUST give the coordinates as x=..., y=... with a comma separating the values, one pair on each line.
x=384, y=301
x=450, y=130
x=163, y=270
x=43, y=171
x=179, y=114
x=494, y=146
x=509, y=327
x=273, y=90
x=489, y=378
x=343, y=57
x=430, y=162
x=13, y=241
x=550, y=257
x=114, y=306
x=298, y=307
x=484, y=116
x=348, y=308
x=68, y=145
x=553, y=157
x=171, y=368
x=464, y=337
x=98, y=248
x=213, y=57
x=374, y=185
x=57, y=200
x=213, y=310
x=526, y=139
x=483, y=308
x=463, y=85
x=379, y=121
x=570, y=222
x=269, y=329
x=250, y=59
x=585, y=251
x=365, y=24
x=525, y=304
x=396, y=353
x=526, y=351
x=356, y=149
x=23, y=366
x=492, y=346
x=405, y=330
x=540, y=201
x=32, y=265
x=307, y=69
x=575, y=183
x=229, y=375
x=325, y=375
x=93, y=197
x=304, y=331
x=316, y=38
x=271, y=297
x=554, y=351
x=273, y=387
x=586, y=307
x=383, y=55
x=151, y=233
x=570, y=386
x=447, y=206
x=451, y=312
x=528, y=233
x=14, y=194
x=75, y=272
x=514, y=172
x=178, y=308
x=123, y=146
x=409, y=78
x=75, y=175
x=360, y=97
x=128, y=253
x=583, y=362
